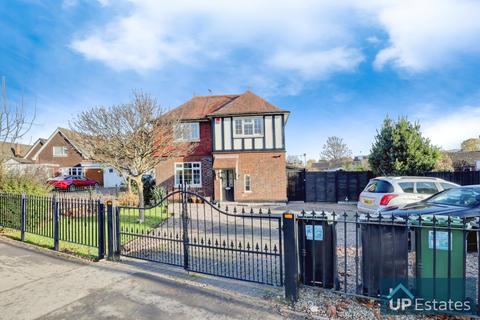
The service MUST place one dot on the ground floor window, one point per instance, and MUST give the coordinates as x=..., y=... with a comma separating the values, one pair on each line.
x=73, y=171
x=248, y=183
x=188, y=173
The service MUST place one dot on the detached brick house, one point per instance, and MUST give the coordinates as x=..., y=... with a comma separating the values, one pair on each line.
x=240, y=153
x=60, y=155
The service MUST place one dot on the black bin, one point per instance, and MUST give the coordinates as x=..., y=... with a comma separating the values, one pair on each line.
x=384, y=255
x=318, y=257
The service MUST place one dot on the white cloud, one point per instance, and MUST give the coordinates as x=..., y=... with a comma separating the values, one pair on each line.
x=69, y=3
x=156, y=33
x=451, y=128
x=318, y=63
x=150, y=34
x=373, y=40
x=427, y=34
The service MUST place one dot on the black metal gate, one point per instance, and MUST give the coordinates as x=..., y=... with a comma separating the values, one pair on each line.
x=185, y=229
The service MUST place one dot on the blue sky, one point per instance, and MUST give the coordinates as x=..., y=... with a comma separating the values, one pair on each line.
x=339, y=66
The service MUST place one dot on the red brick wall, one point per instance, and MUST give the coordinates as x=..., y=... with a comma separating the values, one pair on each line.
x=72, y=159
x=204, y=146
x=268, y=177
x=165, y=173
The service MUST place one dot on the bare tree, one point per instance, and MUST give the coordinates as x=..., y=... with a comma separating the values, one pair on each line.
x=335, y=151
x=14, y=121
x=133, y=138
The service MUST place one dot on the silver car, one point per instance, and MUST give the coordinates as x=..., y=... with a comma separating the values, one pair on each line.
x=382, y=192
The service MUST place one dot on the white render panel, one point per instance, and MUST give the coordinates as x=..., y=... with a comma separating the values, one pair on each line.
x=258, y=143
x=268, y=132
x=227, y=130
x=218, y=135
x=278, y=132
x=237, y=144
x=248, y=144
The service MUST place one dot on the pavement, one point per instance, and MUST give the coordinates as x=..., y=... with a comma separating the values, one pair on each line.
x=37, y=283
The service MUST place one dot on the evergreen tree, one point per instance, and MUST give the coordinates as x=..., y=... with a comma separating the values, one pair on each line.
x=400, y=149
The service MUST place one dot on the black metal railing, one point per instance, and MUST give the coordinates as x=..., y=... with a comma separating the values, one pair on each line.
x=187, y=230
x=76, y=221
x=367, y=255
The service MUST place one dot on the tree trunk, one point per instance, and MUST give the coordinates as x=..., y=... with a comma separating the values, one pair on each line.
x=129, y=185
x=141, y=201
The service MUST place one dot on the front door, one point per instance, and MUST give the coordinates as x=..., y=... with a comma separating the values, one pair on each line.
x=227, y=185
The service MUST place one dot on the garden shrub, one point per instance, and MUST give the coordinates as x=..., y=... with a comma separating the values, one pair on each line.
x=158, y=193
x=30, y=182
x=128, y=199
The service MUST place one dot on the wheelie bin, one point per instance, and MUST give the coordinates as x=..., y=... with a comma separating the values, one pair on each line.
x=317, y=247
x=440, y=257
x=384, y=253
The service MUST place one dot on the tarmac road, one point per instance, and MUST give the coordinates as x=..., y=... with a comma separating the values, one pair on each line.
x=37, y=284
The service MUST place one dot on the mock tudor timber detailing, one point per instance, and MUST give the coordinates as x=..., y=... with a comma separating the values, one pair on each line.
x=245, y=127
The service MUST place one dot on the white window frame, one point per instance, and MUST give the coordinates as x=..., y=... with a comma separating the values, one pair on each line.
x=245, y=121
x=177, y=168
x=63, y=154
x=249, y=183
x=73, y=171
x=194, y=133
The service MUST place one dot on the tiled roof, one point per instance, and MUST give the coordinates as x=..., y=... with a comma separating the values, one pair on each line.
x=71, y=136
x=469, y=157
x=247, y=103
x=201, y=107
x=197, y=108
x=13, y=149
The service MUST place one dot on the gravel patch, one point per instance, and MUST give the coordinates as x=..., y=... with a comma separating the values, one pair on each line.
x=319, y=303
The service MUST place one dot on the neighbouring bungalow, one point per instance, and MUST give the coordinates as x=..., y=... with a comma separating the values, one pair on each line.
x=61, y=155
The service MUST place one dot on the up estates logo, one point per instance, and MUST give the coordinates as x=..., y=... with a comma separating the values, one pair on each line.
x=400, y=304
x=402, y=301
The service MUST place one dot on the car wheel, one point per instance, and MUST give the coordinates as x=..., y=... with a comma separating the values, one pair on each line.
x=71, y=188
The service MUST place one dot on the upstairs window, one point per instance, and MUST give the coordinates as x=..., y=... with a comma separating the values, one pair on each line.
x=188, y=131
x=248, y=127
x=60, y=151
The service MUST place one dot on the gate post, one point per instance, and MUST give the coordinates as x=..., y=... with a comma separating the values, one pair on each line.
x=55, y=222
x=118, y=242
x=101, y=230
x=185, y=227
x=23, y=217
x=110, y=232
x=291, y=257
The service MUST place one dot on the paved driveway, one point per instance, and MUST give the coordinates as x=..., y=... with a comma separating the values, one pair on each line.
x=39, y=285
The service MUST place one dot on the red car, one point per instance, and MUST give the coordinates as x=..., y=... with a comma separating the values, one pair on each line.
x=71, y=183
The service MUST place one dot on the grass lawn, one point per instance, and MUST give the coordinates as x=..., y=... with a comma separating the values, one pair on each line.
x=90, y=253
x=78, y=234
x=153, y=217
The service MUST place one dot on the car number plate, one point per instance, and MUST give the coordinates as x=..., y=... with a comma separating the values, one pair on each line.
x=368, y=201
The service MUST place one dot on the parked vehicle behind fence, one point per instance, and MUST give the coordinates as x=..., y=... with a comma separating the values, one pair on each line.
x=462, y=202
x=384, y=192
x=71, y=183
